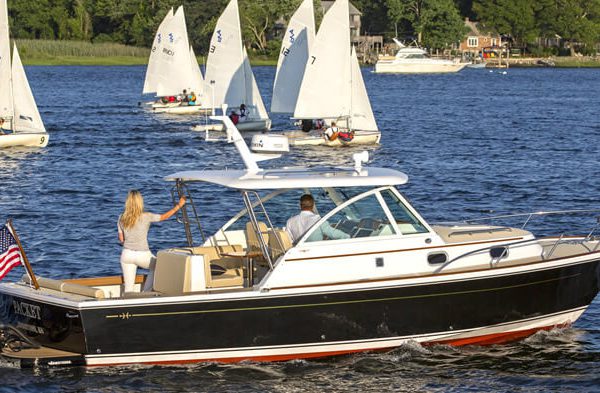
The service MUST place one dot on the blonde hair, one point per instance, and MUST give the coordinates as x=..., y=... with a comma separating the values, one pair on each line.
x=134, y=207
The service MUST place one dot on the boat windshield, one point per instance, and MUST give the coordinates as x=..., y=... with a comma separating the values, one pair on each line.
x=376, y=214
x=283, y=204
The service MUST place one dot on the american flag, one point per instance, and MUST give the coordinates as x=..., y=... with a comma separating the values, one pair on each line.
x=10, y=255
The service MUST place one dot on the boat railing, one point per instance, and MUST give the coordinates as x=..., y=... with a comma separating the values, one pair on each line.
x=504, y=248
x=180, y=189
x=528, y=217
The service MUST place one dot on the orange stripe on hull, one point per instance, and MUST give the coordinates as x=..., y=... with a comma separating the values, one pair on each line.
x=497, y=338
x=488, y=339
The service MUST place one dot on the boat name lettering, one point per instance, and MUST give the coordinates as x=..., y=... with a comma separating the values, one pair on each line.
x=27, y=310
x=168, y=52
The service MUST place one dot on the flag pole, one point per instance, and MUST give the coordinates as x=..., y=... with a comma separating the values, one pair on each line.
x=27, y=265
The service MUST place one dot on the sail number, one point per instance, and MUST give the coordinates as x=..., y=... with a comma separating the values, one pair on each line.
x=213, y=49
x=313, y=59
x=42, y=139
x=285, y=51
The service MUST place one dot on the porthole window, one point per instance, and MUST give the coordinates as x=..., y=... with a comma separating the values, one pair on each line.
x=437, y=258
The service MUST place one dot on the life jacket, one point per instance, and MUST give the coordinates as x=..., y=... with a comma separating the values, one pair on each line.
x=346, y=136
x=172, y=99
x=234, y=118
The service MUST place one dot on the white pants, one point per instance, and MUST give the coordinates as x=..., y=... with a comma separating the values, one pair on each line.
x=130, y=260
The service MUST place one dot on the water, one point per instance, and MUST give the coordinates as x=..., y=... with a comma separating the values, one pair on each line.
x=475, y=143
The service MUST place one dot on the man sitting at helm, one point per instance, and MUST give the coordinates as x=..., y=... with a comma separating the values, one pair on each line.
x=297, y=225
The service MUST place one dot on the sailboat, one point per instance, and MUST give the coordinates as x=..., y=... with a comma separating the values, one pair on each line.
x=229, y=77
x=295, y=46
x=333, y=88
x=173, y=68
x=20, y=121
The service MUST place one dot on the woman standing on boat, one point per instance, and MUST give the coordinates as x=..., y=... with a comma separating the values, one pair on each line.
x=133, y=226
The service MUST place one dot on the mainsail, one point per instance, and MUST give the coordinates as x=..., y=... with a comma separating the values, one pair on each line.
x=229, y=77
x=172, y=66
x=6, y=106
x=333, y=86
x=27, y=117
x=151, y=81
x=293, y=56
x=174, y=71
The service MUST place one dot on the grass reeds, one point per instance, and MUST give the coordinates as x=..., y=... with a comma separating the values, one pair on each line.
x=50, y=52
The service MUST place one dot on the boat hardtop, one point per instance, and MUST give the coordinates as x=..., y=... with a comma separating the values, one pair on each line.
x=295, y=177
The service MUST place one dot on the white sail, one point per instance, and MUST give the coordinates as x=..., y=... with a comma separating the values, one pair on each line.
x=293, y=56
x=6, y=108
x=326, y=88
x=174, y=71
x=253, y=100
x=362, y=115
x=197, y=84
x=151, y=81
x=27, y=118
x=225, y=62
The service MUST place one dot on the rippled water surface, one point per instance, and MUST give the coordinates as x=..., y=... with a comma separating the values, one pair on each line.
x=475, y=143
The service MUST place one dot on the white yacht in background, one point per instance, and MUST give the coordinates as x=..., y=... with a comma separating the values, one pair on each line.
x=229, y=79
x=173, y=68
x=20, y=120
x=415, y=60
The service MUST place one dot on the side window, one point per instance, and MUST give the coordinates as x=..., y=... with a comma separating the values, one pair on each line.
x=407, y=222
x=363, y=218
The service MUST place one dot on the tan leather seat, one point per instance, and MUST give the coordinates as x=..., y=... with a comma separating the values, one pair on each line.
x=279, y=242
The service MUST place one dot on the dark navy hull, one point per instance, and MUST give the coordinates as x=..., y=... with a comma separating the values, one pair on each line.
x=314, y=319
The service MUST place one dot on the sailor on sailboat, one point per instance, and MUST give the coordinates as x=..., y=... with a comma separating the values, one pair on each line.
x=21, y=124
x=333, y=88
x=173, y=70
x=229, y=77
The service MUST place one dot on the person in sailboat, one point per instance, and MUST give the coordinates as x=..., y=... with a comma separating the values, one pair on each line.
x=183, y=97
x=191, y=98
x=133, y=226
x=235, y=118
x=1, y=124
x=243, y=113
x=331, y=133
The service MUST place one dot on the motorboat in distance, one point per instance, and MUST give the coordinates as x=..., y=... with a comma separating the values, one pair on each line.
x=415, y=60
x=370, y=274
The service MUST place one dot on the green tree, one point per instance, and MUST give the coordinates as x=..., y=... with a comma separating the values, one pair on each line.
x=515, y=18
x=258, y=18
x=440, y=24
x=576, y=21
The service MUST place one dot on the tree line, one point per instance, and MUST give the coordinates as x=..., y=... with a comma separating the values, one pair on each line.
x=433, y=23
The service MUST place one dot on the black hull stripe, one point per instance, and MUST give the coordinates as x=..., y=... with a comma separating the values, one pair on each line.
x=420, y=337
x=453, y=293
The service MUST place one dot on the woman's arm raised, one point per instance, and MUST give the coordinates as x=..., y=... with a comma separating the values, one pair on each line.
x=174, y=210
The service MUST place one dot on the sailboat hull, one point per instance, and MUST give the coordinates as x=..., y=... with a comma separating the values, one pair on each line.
x=251, y=125
x=315, y=138
x=24, y=139
x=177, y=109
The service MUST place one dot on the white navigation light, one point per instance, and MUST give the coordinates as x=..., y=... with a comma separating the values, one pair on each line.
x=359, y=159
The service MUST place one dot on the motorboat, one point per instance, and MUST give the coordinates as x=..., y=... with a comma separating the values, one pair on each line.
x=20, y=120
x=229, y=77
x=173, y=69
x=371, y=274
x=332, y=88
x=415, y=60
